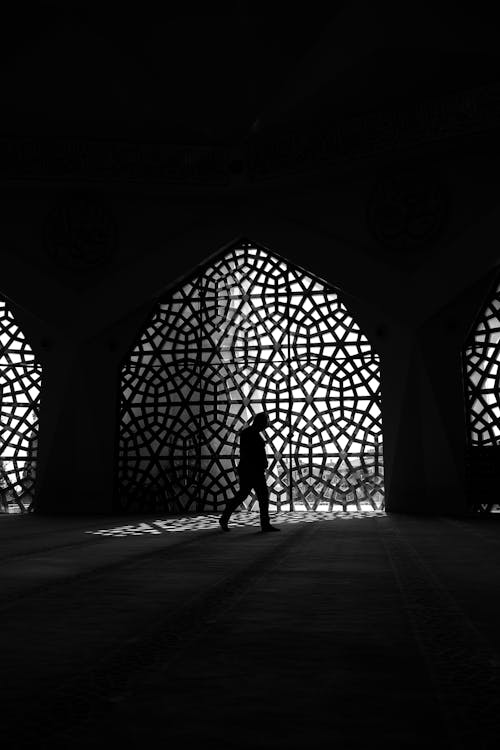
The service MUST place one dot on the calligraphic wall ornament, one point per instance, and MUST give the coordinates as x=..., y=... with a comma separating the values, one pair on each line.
x=406, y=211
x=251, y=332
x=80, y=235
x=339, y=141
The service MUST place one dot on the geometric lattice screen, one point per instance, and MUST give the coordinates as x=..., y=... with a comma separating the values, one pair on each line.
x=251, y=332
x=482, y=369
x=20, y=382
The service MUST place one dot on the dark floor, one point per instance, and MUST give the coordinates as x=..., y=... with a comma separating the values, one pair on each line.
x=340, y=631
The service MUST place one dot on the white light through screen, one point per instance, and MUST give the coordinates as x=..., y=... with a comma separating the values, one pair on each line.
x=20, y=382
x=251, y=332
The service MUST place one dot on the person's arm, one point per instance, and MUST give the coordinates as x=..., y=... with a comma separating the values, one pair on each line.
x=262, y=455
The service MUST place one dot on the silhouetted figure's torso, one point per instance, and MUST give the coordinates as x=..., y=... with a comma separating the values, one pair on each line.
x=253, y=457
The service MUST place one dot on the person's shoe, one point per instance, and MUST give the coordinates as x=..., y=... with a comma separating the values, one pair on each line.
x=270, y=528
x=223, y=525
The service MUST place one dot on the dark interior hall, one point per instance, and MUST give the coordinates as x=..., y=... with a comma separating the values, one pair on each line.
x=215, y=210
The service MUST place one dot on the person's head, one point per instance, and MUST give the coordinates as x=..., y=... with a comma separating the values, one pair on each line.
x=260, y=421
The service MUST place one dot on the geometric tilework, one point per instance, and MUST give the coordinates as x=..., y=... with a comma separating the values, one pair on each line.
x=482, y=368
x=481, y=357
x=20, y=382
x=246, y=333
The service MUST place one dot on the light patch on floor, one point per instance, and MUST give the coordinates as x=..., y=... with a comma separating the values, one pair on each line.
x=210, y=522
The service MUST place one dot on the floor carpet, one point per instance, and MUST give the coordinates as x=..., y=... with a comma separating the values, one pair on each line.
x=346, y=631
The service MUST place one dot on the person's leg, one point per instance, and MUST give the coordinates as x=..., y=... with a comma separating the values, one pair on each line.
x=231, y=505
x=262, y=493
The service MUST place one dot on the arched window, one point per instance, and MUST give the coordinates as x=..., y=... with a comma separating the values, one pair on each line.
x=251, y=332
x=482, y=406
x=482, y=361
x=20, y=381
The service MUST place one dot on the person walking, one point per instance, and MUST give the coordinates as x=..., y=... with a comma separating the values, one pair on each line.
x=252, y=473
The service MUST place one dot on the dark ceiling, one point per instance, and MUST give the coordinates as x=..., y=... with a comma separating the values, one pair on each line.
x=239, y=68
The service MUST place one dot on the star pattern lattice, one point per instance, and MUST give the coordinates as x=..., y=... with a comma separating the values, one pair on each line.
x=20, y=383
x=251, y=332
x=482, y=367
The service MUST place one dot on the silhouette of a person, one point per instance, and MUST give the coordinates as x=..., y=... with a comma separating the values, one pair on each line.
x=252, y=473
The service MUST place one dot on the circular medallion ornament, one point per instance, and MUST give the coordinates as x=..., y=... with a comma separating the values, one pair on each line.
x=80, y=235
x=406, y=211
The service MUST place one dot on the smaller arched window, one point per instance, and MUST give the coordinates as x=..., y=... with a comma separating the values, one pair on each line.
x=482, y=407
x=482, y=373
x=20, y=382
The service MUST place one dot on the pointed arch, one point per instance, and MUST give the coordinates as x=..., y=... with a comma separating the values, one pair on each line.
x=250, y=332
x=20, y=386
x=482, y=375
x=481, y=372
